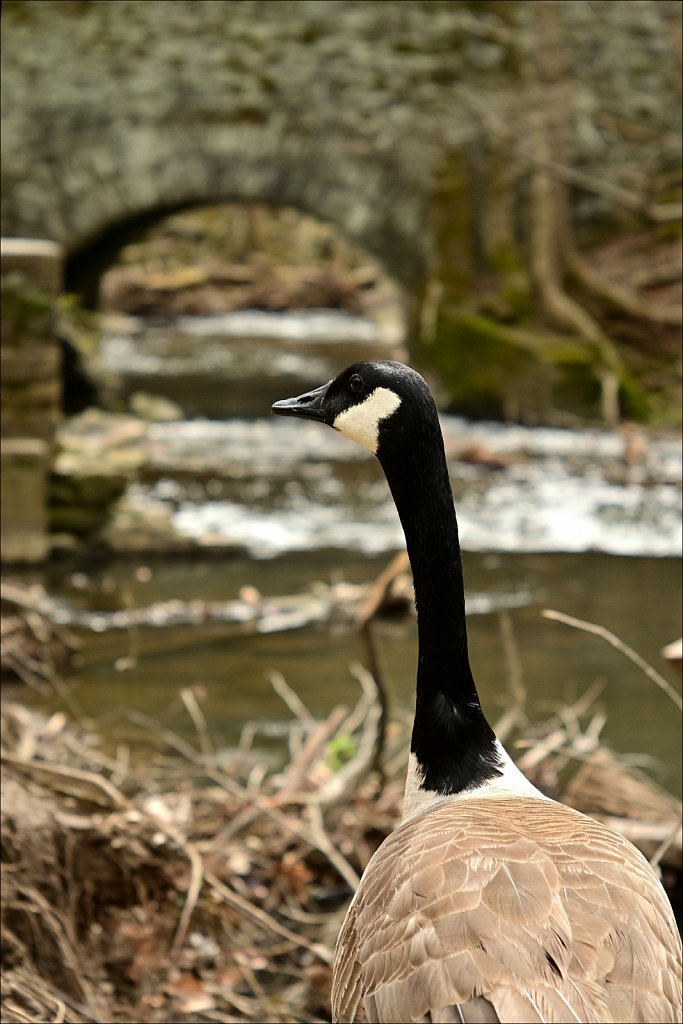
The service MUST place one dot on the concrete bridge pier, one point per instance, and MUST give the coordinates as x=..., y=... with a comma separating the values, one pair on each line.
x=31, y=273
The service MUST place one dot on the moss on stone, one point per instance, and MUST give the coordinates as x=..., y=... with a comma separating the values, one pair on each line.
x=452, y=220
x=634, y=401
x=490, y=368
x=83, y=504
x=474, y=356
x=505, y=259
x=26, y=312
x=512, y=303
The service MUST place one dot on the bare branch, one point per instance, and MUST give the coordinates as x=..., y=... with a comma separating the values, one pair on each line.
x=621, y=298
x=614, y=641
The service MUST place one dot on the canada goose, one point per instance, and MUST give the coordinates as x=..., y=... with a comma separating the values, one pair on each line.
x=490, y=902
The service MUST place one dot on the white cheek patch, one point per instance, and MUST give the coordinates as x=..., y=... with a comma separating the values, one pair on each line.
x=361, y=422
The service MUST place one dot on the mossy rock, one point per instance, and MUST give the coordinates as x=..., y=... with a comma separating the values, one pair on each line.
x=635, y=404
x=491, y=369
x=27, y=313
x=83, y=504
x=81, y=522
x=96, y=491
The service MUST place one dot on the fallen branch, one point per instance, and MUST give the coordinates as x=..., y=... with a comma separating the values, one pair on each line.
x=63, y=779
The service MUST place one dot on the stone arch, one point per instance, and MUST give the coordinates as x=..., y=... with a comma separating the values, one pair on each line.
x=111, y=191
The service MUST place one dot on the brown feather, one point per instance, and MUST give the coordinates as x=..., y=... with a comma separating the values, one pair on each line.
x=516, y=909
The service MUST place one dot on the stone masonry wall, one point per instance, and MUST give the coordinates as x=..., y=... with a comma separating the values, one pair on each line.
x=30, y=392
x=346, y=109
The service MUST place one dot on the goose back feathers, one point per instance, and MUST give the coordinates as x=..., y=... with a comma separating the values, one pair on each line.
x=496, y=909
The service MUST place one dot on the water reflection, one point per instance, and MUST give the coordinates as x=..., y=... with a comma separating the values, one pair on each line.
x=637, y=598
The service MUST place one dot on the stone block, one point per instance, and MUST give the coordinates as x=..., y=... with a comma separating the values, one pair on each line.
x=28, y=315
x=23, y=535
x=40, y=361
x=33, y=394
x=30, y=390
x=31, y=272
x=36, y=422
x=38, y=261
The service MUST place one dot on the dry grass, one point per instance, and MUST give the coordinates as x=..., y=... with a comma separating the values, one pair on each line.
x=169, y=886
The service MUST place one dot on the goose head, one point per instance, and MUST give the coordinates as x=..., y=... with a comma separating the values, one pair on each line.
x=382, y=405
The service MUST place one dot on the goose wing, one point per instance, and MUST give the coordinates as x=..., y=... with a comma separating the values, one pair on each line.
x=507, y=909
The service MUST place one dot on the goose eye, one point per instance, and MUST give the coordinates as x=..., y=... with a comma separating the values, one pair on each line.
x=357, y=383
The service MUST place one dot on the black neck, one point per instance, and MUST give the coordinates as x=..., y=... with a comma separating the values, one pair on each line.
x=452, y=741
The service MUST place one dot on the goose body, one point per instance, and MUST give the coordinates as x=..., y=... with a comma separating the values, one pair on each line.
x=490, y=902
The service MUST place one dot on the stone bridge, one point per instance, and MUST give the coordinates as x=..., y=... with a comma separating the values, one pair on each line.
x=372, y=115
x=118, y=111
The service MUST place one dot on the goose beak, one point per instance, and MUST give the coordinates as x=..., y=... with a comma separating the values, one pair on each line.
x=307, y=407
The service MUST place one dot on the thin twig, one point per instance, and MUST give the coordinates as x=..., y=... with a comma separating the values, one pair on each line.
x=375, y=668
x=264, y=920
x=26, y=675
x=540, y=749
x=298, y=771
x=400, y=563
x=289, y=696
x=514, y=716
x=344, y=783
x=63, y=691
x=192, y=895
x=614, y=641
x=58, y=771
x=167, y=735
x=324, y=843
x=189, y=752
x=666, y=844
x=367, y=699
x=381, y=586
x=579, y=707
x=187, y=695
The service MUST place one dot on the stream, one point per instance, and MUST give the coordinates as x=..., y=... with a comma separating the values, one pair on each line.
x=584, y=521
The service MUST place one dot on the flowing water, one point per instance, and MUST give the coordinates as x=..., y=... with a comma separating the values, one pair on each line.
x=279, y=485
x=565, y=519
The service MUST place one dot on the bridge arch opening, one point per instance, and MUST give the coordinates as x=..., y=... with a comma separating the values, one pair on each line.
x=244, y=256
x=271, y=294
x=246, y=226
x=372, y=199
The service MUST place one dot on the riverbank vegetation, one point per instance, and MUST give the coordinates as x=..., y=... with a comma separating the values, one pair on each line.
x=166, y=882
